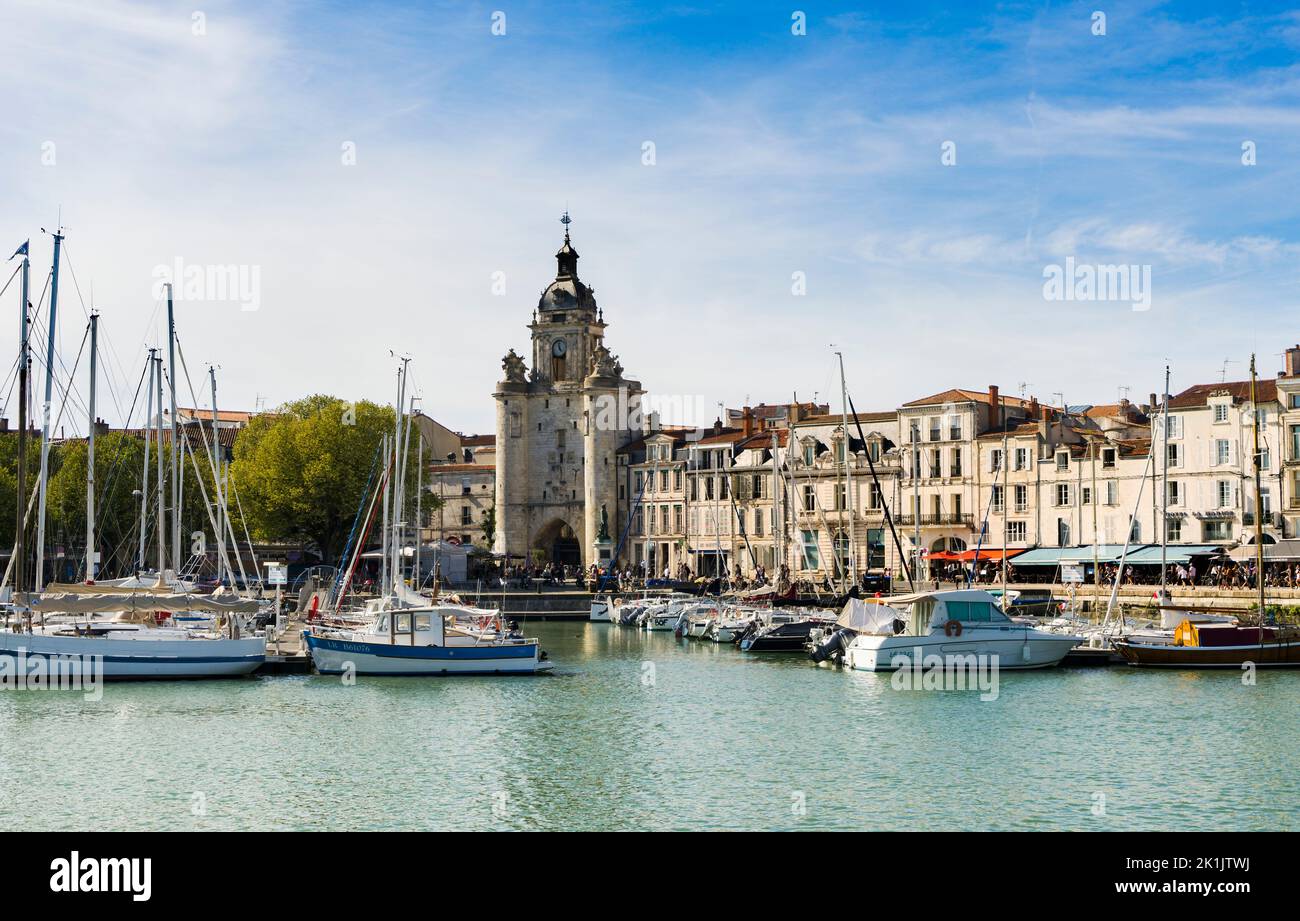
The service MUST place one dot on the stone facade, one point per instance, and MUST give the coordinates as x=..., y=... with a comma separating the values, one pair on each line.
x=559, y=427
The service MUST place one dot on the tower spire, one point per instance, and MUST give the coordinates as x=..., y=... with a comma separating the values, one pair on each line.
x=567, y=257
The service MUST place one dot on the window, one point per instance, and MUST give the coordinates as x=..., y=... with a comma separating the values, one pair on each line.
x=809, y=454
x=811, y=556
x=708, y=488
x=695, y=489
x=954, y=428
x=758, y=522
x=466, y=515
x=1265, y=461
x=1023, y=460
x=997, y=499
x=1266, y=499
x=1062, y=460
x=1175, y=496
x=1175, y=426
x=1223, y=490
x=464, y=486
x=756, y=484
x=875, y=498
x=1174, y=530
x=1174, y=456
x=1022, y=498
x=677, y=519
x=995, y=460
x=677, y=479
x=1108, y=458
x=934, y=428
x=809, y=498
x=1216, y=530
x=1222, y=451
x=1112, y=492
x=1062, y=532
x=1135, y=533
x=1017, y=533
x=954, y=466
x=1085, y=495
x=1295, y=442
x=1220, y=412
x=1062, y=493
x=841, y=503
x=663, y=481
x=936, y=464
x=638, y=521
x=1295, y=488
x=652, y=519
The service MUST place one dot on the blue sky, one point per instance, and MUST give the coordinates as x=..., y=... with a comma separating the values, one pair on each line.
x=775, y=154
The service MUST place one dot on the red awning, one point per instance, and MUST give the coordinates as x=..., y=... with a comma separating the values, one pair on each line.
x=968, y=556
x=942, y=555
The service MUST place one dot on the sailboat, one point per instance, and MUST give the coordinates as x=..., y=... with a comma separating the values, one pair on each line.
x=106, y=631
x=1227, y=645
x=404, y=632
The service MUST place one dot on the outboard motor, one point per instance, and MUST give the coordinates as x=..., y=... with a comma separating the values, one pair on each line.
x=832, y=647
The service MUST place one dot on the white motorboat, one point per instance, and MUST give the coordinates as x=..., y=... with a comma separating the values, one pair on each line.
x=891, y=632
x=662, y=617
x=447, y=640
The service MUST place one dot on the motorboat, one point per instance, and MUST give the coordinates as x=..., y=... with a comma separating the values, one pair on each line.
x=890, y=633
x=440, y=639
x=1218, y=645
x=783, y=632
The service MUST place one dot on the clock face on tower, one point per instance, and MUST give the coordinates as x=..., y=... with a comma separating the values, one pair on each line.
x=559, y=348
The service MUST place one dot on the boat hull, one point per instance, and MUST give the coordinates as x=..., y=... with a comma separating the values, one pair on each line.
x=127, y=659
x=1285, y=654
x=335, y=657
x=887, y=654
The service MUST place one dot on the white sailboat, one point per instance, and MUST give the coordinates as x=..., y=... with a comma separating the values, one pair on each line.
x=109, y=632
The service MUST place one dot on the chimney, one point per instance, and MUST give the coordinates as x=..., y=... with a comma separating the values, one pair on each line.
x=717, y=426
x=101, y=427
x=995, y=406
x=1293, y=361
x=1032, y=413
x=795, y=413
x=747, y=422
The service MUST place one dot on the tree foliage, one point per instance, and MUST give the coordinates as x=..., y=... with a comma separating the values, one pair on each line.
x=301, y=471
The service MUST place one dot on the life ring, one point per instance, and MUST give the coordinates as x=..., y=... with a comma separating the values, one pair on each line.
x=952, y=628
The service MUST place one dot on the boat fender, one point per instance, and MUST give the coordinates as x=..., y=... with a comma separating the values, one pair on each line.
x=952, y=628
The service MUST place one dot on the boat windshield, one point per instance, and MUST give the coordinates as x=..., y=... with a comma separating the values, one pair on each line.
x=974, y=612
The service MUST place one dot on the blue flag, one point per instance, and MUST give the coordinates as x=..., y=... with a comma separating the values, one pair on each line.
x=22, y=250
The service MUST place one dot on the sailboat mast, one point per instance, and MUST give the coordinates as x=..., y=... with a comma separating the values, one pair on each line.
x=162, y=505
x=1164, y=498
x=216, y=485
x=45, y=415
x=24, y=362
x=850, y=505
x=419, y=492
x=777, y=520
x=144, y=477
x=1259, y=504
x=176, y=448
x=90, y=456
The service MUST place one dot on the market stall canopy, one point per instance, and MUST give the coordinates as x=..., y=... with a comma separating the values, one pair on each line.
x=1284, y=551
x=1174, y=553
x=1054, y=556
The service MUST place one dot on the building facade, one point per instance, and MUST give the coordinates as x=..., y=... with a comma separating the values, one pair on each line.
x=559, y=426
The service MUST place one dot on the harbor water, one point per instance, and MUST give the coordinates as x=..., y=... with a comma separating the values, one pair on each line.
x=643, y=731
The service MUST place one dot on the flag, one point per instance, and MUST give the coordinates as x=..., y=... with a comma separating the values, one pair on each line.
x=22, y=250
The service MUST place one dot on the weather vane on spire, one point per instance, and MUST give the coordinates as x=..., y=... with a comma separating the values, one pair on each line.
x=566, y=221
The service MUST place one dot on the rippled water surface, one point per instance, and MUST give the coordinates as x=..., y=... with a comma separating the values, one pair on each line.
x=638, y=731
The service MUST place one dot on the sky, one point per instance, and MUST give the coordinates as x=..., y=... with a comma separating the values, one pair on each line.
x=895, y=183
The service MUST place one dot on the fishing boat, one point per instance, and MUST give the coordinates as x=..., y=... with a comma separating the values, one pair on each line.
x=438, y=645
x=889, y=633
x=404, y=632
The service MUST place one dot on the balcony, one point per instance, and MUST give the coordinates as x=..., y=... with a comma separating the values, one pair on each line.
x=940, y=519
x=1271, y=519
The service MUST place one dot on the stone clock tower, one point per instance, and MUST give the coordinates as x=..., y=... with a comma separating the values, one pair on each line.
x=559, y=427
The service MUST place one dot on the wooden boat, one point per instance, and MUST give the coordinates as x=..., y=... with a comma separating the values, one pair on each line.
x=1218, y=646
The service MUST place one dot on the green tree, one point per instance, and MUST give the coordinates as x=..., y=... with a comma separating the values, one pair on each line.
x=301, y=471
